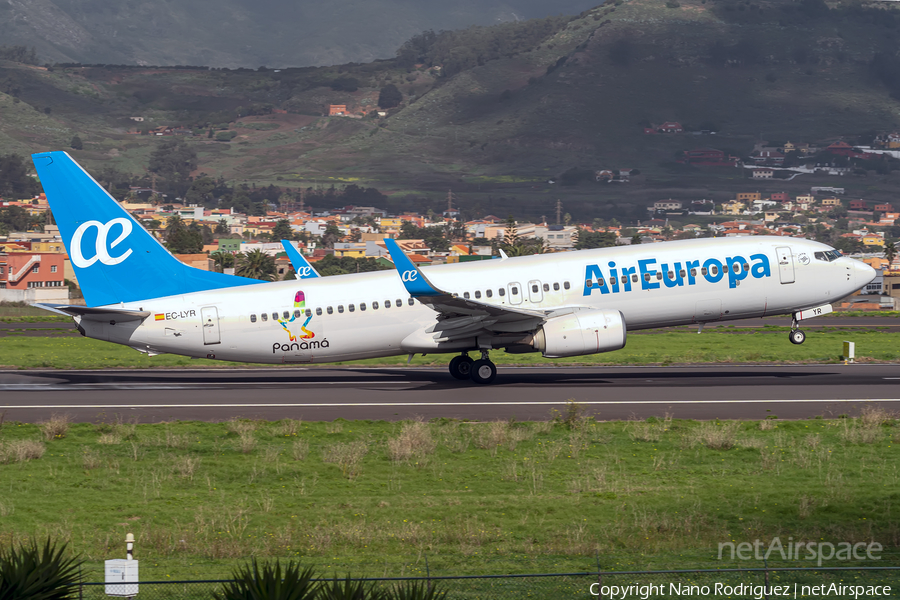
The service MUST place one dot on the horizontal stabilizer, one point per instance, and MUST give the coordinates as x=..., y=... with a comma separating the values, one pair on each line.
x=95, y=314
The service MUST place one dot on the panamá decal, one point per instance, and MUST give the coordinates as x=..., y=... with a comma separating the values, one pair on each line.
x=299, y=309
x=174, y=316
x=675, y=274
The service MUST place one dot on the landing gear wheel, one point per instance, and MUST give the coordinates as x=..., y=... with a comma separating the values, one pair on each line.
x=461, y=366
x=483, y=371
x=797, y=336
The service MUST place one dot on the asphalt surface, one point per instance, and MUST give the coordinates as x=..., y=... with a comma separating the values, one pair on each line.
x=322, y=393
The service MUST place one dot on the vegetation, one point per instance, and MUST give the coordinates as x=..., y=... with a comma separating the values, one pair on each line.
x=721, y=345
x=37, y=572
x=500, y=496
x=255, y=264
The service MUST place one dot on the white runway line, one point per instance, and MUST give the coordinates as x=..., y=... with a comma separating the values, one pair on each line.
x=402, y=404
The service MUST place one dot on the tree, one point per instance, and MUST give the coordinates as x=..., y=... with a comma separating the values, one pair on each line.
x=390, y=96
x=282, y=230
x=223, y=260
x=636, y=239
x=222, y=227
x=511, y=233
x=256, y=264
x=890, y=252
x=76, y=143
x=595, y=239
x=180, y=239
x=331, y=235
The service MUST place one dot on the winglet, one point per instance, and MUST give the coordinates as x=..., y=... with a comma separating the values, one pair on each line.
x=302, y=268
x=413, y=279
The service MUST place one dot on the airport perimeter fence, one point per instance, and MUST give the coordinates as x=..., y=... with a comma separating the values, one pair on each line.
x=747, y=583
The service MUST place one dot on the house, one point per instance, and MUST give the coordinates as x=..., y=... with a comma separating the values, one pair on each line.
x=884, y=207
x=767, y=157
x=831, y=202
x=748, y=196
x=779, y=197
x=733, y=207
x=337, y=110
x=859, y=204
x=666, y=205
x=671, y=127
x=763, y=174
x=707, y=157
x=351, y=249
x=33, y=277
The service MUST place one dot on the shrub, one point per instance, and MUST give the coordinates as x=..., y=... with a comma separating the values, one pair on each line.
x=350, y=589
x=38, y=573
x=270, y=582
x=415, y=590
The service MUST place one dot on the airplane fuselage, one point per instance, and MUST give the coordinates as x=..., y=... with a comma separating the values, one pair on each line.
x=370, y=315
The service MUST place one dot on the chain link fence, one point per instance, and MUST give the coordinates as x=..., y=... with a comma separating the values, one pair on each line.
x=754, y=583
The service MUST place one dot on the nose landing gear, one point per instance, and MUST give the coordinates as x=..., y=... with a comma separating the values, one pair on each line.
x=796, y=336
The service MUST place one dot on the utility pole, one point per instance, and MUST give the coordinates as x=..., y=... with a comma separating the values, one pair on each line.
x=449, y=201
x=558, y=211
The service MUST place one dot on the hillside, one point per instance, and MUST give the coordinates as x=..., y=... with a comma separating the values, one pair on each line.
x=523, y=108
x=244, y=33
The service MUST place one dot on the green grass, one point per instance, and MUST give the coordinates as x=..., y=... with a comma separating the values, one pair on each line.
x=766, y=345
x=376, y=498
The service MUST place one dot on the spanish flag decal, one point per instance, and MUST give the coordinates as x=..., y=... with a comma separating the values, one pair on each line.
x=161, y=317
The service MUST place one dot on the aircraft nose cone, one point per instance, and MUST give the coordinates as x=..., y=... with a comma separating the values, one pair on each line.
x=864, y=274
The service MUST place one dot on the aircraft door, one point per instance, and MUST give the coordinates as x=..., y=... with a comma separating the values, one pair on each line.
x=210, y=317
x=534, y=291
x=785, y=264
x=515, y=293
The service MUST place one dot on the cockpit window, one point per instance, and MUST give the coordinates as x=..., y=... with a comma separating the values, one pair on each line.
x=828, y=256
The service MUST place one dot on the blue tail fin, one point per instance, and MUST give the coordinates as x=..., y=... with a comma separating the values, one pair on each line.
x=114, y=257
x=302, y=268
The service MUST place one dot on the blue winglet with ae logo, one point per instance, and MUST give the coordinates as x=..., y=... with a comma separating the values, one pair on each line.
x=302, y=268
x=413, y=279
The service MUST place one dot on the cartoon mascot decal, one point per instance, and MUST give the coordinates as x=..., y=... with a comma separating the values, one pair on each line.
x=299, y=305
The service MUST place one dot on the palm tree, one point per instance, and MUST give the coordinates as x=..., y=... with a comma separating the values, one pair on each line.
x=890, y=252
x=223, y=260
x=256, y=264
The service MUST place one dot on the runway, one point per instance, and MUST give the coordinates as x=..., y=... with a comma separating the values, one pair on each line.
x=323, y=393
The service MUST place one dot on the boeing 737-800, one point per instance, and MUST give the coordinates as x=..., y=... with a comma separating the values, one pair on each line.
x=562, y=304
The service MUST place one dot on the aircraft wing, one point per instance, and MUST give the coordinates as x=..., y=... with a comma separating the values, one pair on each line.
x=462, y=317
x=302, y=268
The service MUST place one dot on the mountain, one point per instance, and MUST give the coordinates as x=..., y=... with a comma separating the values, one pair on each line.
x=244, y=33
x=495, y=113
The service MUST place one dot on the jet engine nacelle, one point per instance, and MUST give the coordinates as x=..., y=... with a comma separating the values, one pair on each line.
x=582, y=332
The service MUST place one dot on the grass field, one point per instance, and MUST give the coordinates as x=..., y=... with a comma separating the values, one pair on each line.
x=724, y=345
x=377, y=498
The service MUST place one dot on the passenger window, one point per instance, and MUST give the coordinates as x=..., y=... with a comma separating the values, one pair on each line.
x=566, y=284
x=725, y=269
x=297, y=313
x=658, y=275
x=634, y=278
x=693, y=272
x=375, y=305
x=466, y=295
x=600, y=282
x=502, y=291
x=399, y=302
x=703, y=271
x=612, y=281
x=274, y=316
x=555, y=287
x=681, y=273
x=671, y=274
x=646, y=276
x=588, y=282
x=351, y=307
x=265, y=317
x=286, y=315
x=330, y=310
x=411, y=302
x=546, y=287
x=340, y=308
x=624, y=278
x=387, y=303
x=746, y=267
x=362, y=306
x=478, y=293
x=534, y=288
x=308, y=312
x=319, y=312
x=514, y=291
x=715, y=270
x=489, y=293
x=253, y=318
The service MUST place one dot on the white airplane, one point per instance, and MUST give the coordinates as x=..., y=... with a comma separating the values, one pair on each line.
x=302, y=268
x=564, y=304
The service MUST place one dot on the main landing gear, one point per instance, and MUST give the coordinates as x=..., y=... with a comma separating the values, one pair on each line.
x=796, y=336
x=480, y=371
